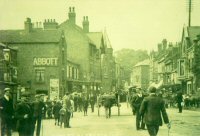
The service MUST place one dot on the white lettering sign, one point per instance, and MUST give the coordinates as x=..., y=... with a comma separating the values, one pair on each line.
x=45, y=61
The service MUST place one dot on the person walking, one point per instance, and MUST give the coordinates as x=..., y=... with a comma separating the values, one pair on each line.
x=85, y=105
x=179, y=101
x=56, y=109
x=153, y=109
x=68, y=106
x=107, y=105
x=137, y=101
x=38, y=108
x=6, y=112
x=62, y=114
x=92, y=102
x=22, y=114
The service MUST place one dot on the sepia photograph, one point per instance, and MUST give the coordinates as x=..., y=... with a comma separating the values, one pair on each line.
x=99, y=67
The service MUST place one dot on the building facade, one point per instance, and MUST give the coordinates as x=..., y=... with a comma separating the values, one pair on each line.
x=58, y=58
x=140, y=76
x=8, y=70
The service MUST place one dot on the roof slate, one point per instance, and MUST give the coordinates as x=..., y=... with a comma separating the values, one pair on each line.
x=37, y=35
x=96, y=37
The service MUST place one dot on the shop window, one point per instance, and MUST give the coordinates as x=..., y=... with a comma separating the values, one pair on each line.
x=39, y=75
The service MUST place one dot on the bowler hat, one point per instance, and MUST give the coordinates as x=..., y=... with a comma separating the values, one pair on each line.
x=152, y=89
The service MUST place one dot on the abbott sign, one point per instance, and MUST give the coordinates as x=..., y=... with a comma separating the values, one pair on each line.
x=45, y=61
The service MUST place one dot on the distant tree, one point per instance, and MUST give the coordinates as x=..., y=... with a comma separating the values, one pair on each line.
x=127, y=58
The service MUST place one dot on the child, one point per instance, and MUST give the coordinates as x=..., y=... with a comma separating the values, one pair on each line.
x=56, y=109
x=62, y=113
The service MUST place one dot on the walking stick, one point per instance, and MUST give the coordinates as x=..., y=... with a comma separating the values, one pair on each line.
x=42, y=126
x=169, y=127
x=168, y=131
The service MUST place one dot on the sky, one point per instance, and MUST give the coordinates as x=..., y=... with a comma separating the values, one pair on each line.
x=135, y=24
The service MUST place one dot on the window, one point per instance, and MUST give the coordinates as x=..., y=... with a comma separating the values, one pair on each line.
x=39, y=75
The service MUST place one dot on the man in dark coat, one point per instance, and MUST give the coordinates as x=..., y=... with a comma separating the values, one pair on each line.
x=152, y=107
x=23, y=115
x=179, y=101
x=56, y=109
x=38, y=108
x=92, y=102
x=136, y=102
x=68, y=106
x=107, y=102
x=6, y=112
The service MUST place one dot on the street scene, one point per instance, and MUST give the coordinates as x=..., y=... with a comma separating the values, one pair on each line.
x=186, y=124
x=99, y=68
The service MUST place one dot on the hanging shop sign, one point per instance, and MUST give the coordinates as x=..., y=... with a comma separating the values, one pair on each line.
x=45, y=61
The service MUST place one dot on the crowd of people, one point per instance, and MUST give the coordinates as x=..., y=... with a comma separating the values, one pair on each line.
x=27, y=115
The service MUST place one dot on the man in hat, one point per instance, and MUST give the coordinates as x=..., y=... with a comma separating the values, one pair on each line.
x=152, y=107
x=23, y=115
x=68, y=106
x=38, y=108
x=6, y=112
x=136, y=102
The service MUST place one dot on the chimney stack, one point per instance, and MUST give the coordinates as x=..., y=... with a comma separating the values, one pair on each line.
x=159, y=47
x=164, y=44
x=85, y=24
x=72, y=15
x=28, y=25
x=50, y=24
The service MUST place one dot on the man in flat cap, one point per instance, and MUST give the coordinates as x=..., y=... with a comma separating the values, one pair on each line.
x=152, y=107
x=6, y=112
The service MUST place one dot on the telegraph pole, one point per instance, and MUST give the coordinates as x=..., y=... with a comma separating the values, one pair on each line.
x=190, y=10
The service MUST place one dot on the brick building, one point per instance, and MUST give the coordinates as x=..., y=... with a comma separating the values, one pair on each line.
x=58, y=58
x=41, y=56
x=140, y=76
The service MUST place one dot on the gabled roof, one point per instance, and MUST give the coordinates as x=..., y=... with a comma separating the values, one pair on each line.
x=73, y=29
x=96, y=37
x=193, y=31
x=36, y=35
x=143, y=63
x=190, y=32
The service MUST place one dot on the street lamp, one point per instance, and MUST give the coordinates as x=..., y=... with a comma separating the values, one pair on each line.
x=6, y=54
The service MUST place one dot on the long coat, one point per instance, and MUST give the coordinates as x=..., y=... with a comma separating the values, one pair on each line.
x=23, y=123
x=6, y=111
x=153, y=108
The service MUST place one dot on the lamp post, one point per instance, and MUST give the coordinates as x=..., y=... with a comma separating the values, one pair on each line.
x=6, y=54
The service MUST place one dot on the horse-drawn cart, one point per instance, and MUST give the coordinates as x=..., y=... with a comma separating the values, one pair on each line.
x=108, y=100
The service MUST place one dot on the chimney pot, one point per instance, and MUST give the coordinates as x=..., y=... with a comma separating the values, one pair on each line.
x=36, y=24
x=72, y=15
x=28, y=25
x=73, y=9
x=40, y=24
